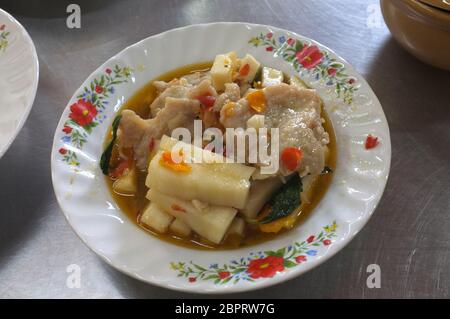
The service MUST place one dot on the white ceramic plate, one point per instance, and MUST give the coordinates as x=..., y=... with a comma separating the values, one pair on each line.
x=19, y=74
x=357, y=186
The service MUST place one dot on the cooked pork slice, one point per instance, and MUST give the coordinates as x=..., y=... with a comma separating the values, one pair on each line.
x=232, y=93
x=160, y=85
x=163, y=85
x=296, y=112
x=293, y=97
x=132, y=128
x=221, y=100
x=197, y=77
x=235, y=114
x=174, y=91
x=203, y=88
x=138, y=133
x=179, y=113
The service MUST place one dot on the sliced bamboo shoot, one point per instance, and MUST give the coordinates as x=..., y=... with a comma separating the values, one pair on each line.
x=127, y=183
x=156, y=218
x=222, y=184
x=211, y=224
x=247, y=73
x=260, y=192
x=237, y=227
x=307, y=186
x=222, y=70
x=180, y=228
x=256, y=122
x=235, y=233
x=296, y=81
x=271, y=77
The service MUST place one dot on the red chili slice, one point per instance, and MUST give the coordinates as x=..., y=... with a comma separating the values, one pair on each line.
x=371, y=142
x=291, y=157
x=244, y=70
x=207, y=100
x=151, y=144
x=123, y=165
x=178, y=208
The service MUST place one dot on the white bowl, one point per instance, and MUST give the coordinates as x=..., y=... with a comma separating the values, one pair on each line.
x=19, y=75
x=358, y=183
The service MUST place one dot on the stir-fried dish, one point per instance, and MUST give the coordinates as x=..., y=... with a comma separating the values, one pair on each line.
x=226, y=201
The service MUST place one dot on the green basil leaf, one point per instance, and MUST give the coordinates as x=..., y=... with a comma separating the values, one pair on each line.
x=285, y=201
x=106, y=156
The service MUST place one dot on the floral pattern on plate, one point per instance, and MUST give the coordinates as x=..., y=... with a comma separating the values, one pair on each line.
x=86, y=112
x=3, y=37
x=310, y=62
x=263, y=264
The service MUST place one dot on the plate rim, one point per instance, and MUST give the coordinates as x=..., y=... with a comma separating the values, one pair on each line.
x=339, y=245
x=25, y=115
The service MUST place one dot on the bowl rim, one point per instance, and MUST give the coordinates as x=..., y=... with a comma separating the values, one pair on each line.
x=29, y=106
x=429, y=14
x=338, y=246
x=436, y=6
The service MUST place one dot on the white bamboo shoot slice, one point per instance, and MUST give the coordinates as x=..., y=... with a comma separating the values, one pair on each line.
x=308, y=183
x=237, y=227
x=212, y=223
x=295, y=81
x=260, y=192
x=180, y=228
x=156, y=218
x=222, y=184
x=222, y=70
x=167, y=143
x=236, y=232
x=271, y=77
x=256, y=122
x=127, y=183
x=253, y=67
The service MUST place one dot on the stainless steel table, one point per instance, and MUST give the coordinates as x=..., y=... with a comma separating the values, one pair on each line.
x=408, y=236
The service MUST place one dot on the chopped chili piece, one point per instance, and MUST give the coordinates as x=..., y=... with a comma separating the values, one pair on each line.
x=371, y=142
x=291, y=158
x=167, y=161
x=178, y=208
x=207, y=100
x=257, y=101
x=121, y=167
x=244, y=70
x=151, y=144
x=275, y=226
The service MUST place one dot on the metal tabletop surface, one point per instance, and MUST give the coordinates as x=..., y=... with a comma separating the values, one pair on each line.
x=408, y=236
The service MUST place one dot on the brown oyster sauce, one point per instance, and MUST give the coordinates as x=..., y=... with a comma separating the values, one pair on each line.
x=133, y=205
